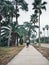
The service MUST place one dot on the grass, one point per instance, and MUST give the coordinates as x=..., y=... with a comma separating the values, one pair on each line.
x=43, y=50
x=7, y=53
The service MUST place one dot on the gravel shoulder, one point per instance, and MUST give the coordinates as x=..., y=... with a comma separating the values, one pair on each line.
x=7, y=53
x=43, y=50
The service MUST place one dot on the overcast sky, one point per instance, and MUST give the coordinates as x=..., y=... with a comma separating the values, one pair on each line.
x=25, y=16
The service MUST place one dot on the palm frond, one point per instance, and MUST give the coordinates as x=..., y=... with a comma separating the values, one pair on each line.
x=44, y=3
x=40, y=11
x=24, y=6
x=43, y=7
x=36, y=26
x=38, y=2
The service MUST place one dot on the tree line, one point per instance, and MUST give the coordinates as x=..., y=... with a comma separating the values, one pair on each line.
x=11, y=31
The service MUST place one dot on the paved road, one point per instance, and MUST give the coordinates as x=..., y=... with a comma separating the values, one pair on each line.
x=29, y=56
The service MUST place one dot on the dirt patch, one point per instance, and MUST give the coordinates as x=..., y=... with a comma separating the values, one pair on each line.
x=44, y=51
x=6, y=54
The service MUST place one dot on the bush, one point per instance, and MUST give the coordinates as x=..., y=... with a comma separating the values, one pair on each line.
x=4, y=42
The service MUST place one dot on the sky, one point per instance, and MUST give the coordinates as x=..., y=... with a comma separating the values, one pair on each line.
x=25, y=16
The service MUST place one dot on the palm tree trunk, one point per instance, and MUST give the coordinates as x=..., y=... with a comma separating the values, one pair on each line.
x=9, y=37
x=16, y=14
x=47, y=35
x=0, y=33
x=39, y=29
x=44, y=36
x=11, y=19
x=16, y=22
x=34, y=37
x=0, y=29
x=13, y=38
x=17, y=39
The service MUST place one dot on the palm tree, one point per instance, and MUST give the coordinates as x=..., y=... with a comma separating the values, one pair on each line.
x=7, y=32
x=47, y=28
x=1, y=7
x=0, y=28
x=38, y=7
x=11, y=30
x=24, y=6
x=29, y=27
x=40, y=34
x=34, y=19
x=7, y=11
x=44, y=33
x=22, y=33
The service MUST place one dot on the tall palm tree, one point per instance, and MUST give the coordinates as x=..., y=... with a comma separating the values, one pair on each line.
x=24, y=6
x=7, y=11
x=44, y=33
x=4, y=8
x=38, y=6
x=34, y=20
